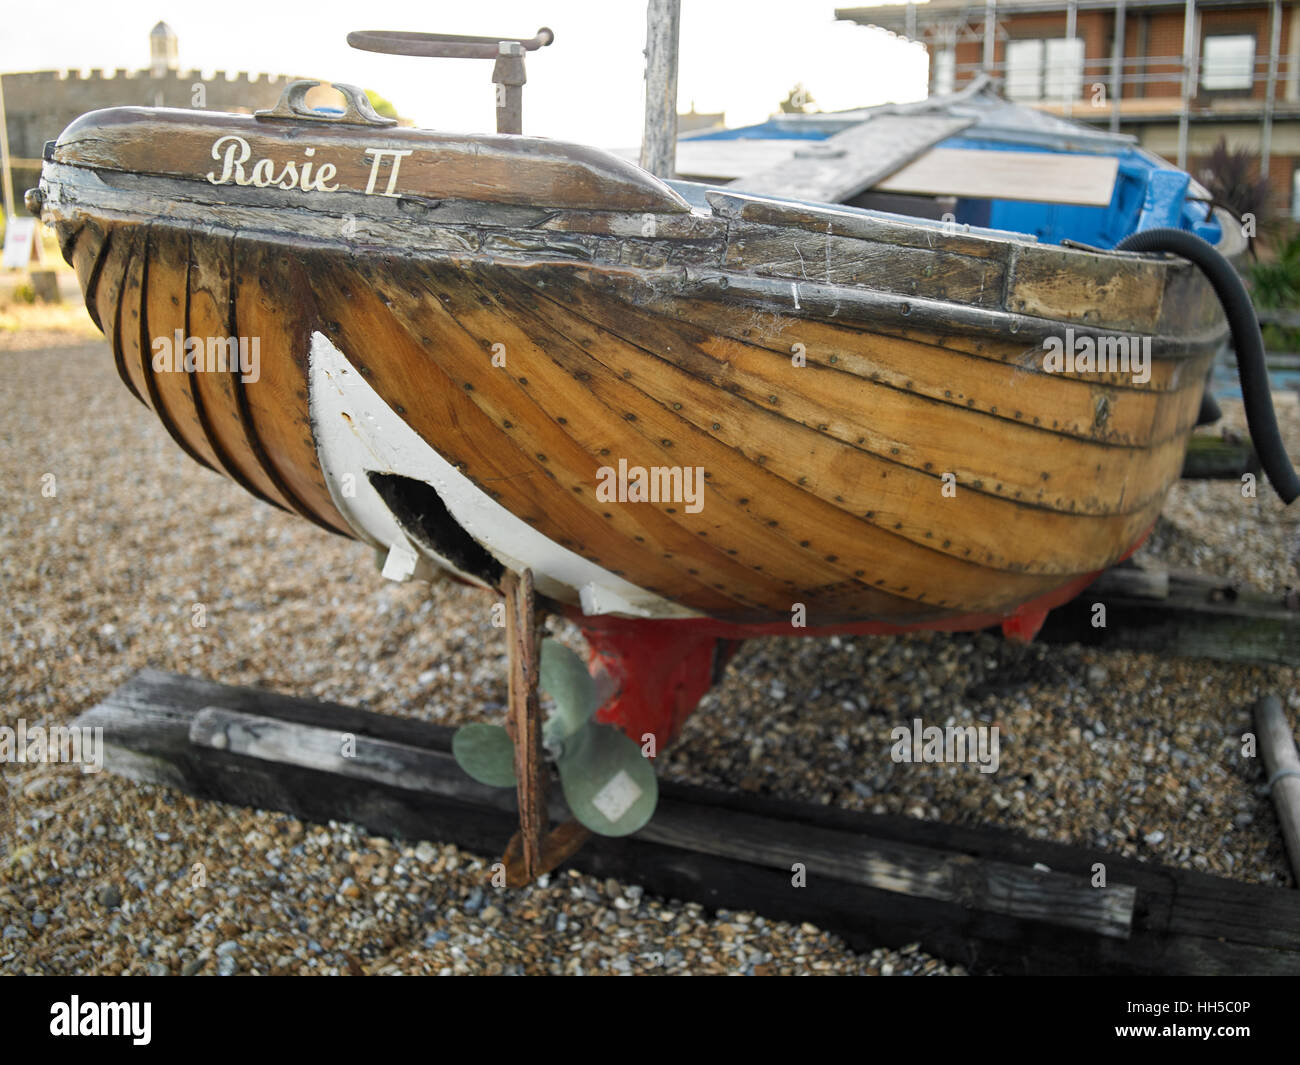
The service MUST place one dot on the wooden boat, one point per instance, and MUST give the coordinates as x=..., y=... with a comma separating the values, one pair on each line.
x=481, y=352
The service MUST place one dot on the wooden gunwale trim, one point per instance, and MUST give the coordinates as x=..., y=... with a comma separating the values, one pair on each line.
x=1026, y=263
x=839, y=530
x=156, y=141
x=837, y=220
x=257, y=446
x=759, y=545
x=219, y=453
x=1055, y=526
x=470, y=438
x=702, y=279
x=901, y=269
x=146, y=363
x=1170, y=453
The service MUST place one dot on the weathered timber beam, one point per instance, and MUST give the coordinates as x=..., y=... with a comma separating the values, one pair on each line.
x=1282, y=768
x=1198, y=618
x=1181, y=921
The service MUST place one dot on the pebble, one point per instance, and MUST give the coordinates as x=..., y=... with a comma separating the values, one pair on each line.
x=810, y=720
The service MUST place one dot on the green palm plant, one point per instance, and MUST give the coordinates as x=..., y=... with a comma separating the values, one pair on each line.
x=609, y=785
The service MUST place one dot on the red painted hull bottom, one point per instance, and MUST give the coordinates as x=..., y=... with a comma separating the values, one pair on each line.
x=664, y=668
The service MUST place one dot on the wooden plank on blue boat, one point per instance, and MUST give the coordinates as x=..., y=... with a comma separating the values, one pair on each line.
x=840, y=167
x=1057, y=177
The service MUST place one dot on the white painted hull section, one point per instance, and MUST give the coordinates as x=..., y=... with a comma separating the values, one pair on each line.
x=357, y=433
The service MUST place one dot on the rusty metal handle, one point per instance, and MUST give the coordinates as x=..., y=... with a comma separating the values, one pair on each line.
x=442, y=45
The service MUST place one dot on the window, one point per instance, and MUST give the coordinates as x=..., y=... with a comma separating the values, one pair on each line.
x=1045, y=69
x=1228, y=62
x=943, y=71
x=1295, y=195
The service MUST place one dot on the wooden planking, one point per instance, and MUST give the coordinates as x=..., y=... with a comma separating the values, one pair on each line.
x=732, y=543
x=1070, y=404
x=867, y=226
x=1046, y=177
x=166, y=317
x=432, y=374
x=1182, y=921
x=88, y=254
x=154, y=380
x=567, y=439
x=208, y=314
x=854, y=160
x=971, y=525
x=108, y=297
x=126, y=336
x=274, y=305
x=1111, y=292
x=768, y=570
x=804, y=531
x=1073, y=286
x=842, y=394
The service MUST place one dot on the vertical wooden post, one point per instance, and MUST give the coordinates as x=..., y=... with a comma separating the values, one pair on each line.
x=1270, y=91
x=6, y=175
x=990, y=35
x=1282, y=767
x=1191, y=53
x=525, y=720
x=1117, y=66
x=659, y=145
x=1071, y=31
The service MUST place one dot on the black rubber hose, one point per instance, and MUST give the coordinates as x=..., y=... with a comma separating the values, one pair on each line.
x=1246, y=339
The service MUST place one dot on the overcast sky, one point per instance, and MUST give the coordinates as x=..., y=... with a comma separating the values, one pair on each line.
x=737, y=56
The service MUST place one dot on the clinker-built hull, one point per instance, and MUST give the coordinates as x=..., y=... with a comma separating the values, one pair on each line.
x=839, y=412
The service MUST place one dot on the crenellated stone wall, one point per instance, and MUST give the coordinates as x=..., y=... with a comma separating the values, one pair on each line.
x=41, y=104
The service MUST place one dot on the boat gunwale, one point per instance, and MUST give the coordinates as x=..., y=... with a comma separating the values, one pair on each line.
x=727, y=206
x=707, y=277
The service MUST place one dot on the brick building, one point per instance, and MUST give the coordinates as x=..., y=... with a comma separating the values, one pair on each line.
x=1121, y=66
